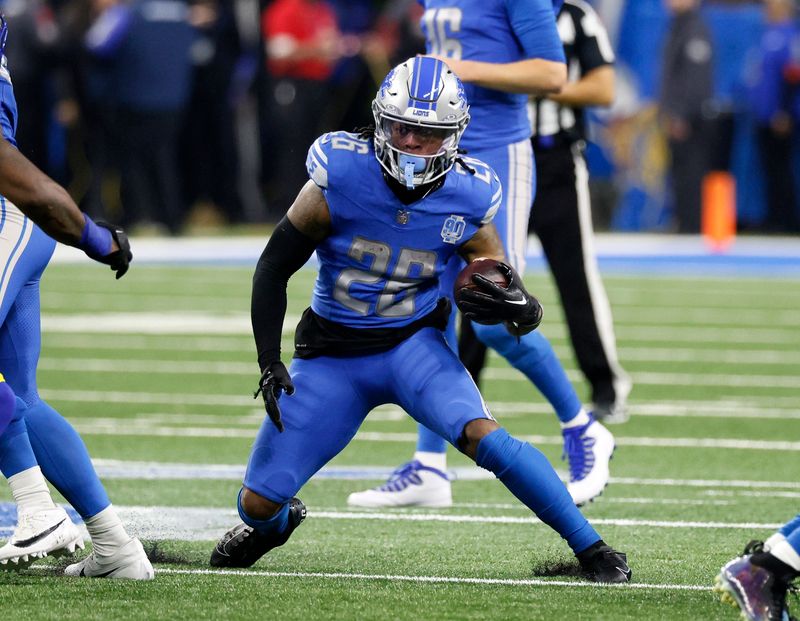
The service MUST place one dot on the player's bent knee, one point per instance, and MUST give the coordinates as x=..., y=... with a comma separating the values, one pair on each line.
x=258, y=507
x=474, y=432
x=7, y=405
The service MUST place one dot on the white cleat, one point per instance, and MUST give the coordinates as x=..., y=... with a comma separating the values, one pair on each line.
x=47, y=532
x=129, y=562
x=588, y=450
x=411, y=485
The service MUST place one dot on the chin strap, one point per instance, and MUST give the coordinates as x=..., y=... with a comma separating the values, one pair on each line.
x=410, y=164
x=408, y=174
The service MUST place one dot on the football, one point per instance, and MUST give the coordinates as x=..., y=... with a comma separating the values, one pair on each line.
x=484, y=267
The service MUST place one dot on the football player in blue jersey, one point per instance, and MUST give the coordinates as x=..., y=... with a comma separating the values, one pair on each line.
x=35, y=212
x=503, y=50
x=758, y=580
x=385, y=213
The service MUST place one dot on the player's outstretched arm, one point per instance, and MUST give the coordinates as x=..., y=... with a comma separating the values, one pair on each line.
x=50, y=206
x=290, y=246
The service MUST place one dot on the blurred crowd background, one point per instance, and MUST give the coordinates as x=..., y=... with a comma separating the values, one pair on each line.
x=166, y=115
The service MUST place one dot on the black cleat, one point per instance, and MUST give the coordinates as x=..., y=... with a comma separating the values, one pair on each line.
x=242, y=546
x=601, y=563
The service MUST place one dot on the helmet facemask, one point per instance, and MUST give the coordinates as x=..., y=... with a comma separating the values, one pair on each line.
x=420, y=115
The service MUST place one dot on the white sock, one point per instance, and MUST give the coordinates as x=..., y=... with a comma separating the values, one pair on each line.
x=773, y=541
x=580, y=419
x=432, y=460
x=784, y=551
x=107, y=532
x=30, y=491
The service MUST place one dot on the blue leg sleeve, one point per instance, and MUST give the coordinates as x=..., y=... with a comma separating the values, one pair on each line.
x=16, y=453
x=790, y=527
x=8, y=403
x=794, y=539
x=64, y=460
x=276, y=524
x=528, y=475
x=534, y=357
x=429, y=441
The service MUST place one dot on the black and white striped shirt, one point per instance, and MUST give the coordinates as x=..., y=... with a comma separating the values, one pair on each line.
x=586, y=47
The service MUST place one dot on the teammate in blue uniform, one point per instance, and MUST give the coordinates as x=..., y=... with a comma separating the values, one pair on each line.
x=503, y=50
x=385, y=214
x=757, y=581
x=35, y=212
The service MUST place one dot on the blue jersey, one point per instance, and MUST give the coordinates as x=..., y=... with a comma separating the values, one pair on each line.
x=495, y=31
x=380, y=265
x=8, y=104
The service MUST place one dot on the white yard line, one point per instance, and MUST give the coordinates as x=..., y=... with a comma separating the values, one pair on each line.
x=160, y=398
x=728, y=380
x=206, y=322
x=707, y=443
x=184, y=367
x=114, y=468
x=243, y=344
x=207, y=523
x=123, y=427
x=431, y=579
x=750, y=407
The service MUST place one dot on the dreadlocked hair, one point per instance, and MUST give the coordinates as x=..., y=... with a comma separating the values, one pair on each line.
x=465, y=166
x=365, y=133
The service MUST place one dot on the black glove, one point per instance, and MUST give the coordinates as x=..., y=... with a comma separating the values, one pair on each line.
x=274, y=379
x=493, y=304
x=119, y=260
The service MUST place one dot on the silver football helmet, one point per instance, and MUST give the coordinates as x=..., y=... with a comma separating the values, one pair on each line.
x=420, y=113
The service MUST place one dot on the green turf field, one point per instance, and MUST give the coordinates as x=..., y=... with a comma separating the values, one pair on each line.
x=157, y=371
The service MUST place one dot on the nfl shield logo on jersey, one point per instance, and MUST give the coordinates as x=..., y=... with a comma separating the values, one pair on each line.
x=453, y=229
x=402, y=216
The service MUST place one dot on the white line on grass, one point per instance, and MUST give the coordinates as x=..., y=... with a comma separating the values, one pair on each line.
x=749, y=407
x=209, y=323
x=207, y=523
x=690, y=334
x=728, y=380
x=505, y=519
x=89, y=396
x=150, y=342
x=429, y=579
x=709, y=443
x=115, y=468
x=715, y=354
x=184, y=367
x=124, y=427
x=243, y=344
x=160, y=398
x=622, y=500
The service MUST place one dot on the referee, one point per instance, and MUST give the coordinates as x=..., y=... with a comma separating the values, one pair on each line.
x=561, y=214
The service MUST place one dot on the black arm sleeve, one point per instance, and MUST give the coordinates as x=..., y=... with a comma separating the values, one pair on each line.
x=286, y=252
